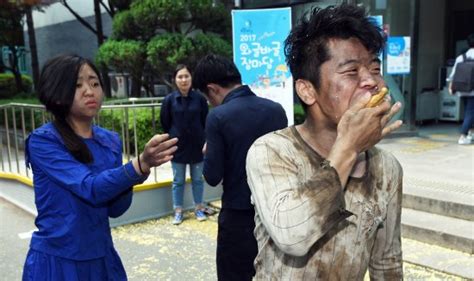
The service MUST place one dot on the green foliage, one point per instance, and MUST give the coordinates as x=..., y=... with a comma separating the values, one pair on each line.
x=124, y=27
x=167, y=50
x=165, y=14
x=8, y=86
x=114, y=120
x=209, y=43
x=21, y=98
x=299, y=114
x=11, y=30
x=165, y=33
x=215, y=20
x=124, y=56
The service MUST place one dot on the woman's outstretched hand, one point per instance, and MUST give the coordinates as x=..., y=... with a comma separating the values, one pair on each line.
x=158, y=150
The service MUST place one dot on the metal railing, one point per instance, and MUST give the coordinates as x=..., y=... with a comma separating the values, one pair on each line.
x=135, y=101
x=18, y=120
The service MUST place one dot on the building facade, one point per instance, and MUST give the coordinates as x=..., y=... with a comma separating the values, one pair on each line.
x=437, y=31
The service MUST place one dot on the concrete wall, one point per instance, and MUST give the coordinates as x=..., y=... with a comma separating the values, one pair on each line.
x=146, y=204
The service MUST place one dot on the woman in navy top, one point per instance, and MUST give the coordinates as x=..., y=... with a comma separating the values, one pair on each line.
x=183, y=115
x=79, y=179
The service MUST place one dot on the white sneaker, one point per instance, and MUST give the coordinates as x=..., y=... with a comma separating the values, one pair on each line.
x=464, y=140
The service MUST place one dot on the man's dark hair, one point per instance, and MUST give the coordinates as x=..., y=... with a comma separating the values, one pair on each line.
x=470, y=40
x=306, y=47
x=56, y=90
x=215, y=69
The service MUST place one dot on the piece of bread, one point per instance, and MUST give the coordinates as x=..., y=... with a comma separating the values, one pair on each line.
x=378, y=98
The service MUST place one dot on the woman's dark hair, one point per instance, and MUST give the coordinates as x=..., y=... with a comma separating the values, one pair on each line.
x=215, y=69
x=56, y=90
x=306, y=47
x=180, y=67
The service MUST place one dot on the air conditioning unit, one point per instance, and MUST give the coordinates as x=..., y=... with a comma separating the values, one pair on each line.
x=160, y=90
x=119, y=85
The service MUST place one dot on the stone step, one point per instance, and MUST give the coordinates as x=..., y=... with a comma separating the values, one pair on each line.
x=447, y=199
x=441, y=259
x=448, y=232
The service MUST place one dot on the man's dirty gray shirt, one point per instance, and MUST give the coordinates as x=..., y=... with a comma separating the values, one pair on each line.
x=309, y=228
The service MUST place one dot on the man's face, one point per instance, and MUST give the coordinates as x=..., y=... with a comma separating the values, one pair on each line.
x=350, y=72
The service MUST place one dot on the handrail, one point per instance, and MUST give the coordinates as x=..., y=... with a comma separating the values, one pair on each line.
x=27, y=105
x=17, y=120
x=134, y=100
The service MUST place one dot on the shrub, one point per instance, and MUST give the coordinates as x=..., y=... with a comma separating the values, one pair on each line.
x=115, y=119
x=299, y=114
x=8, y=85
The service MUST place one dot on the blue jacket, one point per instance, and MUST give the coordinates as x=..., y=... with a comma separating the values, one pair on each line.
x=185, y=118
x=231, y=128
x=75, y=200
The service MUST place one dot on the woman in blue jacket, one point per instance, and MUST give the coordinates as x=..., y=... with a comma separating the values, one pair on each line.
x=79, y=179
x=183, y=115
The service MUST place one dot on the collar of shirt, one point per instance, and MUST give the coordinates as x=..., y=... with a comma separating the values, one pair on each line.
x=177, y=94
x=241, y=91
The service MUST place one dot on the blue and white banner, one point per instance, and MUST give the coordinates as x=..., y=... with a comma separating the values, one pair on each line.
x=398, y=55
x=258, y=37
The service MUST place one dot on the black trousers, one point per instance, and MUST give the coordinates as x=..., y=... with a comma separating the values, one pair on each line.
x=236, y=245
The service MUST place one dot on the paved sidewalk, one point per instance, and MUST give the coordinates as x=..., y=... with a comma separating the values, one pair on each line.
x=157, y=250
x=434, y=162
x=150, y=251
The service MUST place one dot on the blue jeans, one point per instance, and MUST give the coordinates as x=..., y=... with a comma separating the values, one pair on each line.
x=179, y=181
x=468, y=115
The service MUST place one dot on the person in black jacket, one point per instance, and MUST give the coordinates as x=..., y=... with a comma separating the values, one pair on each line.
x=238, y=119
x=183, y=115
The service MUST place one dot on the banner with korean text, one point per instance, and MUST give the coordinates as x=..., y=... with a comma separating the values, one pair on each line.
x=258, y=37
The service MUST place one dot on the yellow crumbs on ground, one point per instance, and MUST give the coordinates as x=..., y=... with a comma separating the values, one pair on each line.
x=419, y=146
x=158, y=250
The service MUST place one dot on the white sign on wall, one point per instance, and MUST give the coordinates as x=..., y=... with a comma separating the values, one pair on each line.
x=398, y=55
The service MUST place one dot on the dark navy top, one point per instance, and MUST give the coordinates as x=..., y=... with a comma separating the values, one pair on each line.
x=185, y=118
x=75, y=200
x=231, y=128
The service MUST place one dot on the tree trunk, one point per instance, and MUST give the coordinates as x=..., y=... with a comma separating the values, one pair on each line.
x=100, y=40
x=18, y=82
x=14, y=69
x=136, y=87
x=33, y=49
x=98, y=23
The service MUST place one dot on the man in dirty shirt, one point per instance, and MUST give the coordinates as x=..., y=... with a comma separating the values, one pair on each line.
x=327, y=201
